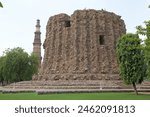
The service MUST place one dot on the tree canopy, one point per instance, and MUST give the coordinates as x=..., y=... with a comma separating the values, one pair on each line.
x=146, y=32
x=1, y=5
x=16, y=65
x=131, y=59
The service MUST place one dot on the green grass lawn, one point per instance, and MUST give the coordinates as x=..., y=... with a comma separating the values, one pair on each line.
x=75, y=96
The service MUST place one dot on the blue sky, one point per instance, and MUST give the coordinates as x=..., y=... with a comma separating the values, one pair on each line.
x=18, y=17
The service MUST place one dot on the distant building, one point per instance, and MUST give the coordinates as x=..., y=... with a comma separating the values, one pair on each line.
x=37, y=42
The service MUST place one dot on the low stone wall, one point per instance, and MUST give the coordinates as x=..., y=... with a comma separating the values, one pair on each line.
x=63, y=86
x=79, y=77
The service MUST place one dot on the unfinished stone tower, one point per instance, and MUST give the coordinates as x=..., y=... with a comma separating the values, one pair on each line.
x=82, y=46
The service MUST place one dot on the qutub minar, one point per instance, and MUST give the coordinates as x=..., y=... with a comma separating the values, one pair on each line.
x=37, y=42
x=80, y=46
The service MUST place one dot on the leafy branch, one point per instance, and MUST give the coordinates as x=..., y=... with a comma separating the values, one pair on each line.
x=1, y=5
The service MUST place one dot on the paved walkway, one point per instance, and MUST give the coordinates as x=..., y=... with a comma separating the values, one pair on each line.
x=45, y=91
x=1, y=88
x=148, y=93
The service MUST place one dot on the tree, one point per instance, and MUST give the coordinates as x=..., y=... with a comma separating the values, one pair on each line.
x=32, y=66
x=18, y=65
x=2, y=61
x=131, y=59
x=1, y=5
x=146, y=32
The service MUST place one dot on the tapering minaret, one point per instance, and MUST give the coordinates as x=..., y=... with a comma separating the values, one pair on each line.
x=37, y=42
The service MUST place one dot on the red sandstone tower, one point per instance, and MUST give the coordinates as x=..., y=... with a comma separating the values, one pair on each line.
x=37, y=42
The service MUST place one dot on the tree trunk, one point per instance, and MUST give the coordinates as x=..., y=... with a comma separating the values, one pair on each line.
x=2, y=83
x=134, y=86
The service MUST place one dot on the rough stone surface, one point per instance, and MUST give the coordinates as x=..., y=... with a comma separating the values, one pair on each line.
x=82, y=46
